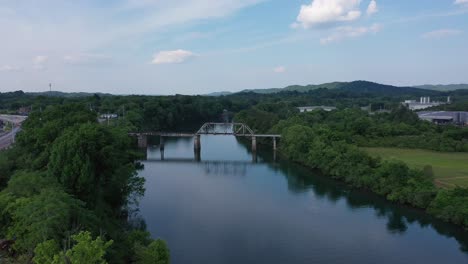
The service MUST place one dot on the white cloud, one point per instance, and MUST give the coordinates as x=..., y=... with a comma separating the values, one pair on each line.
x=9, y=68
x=172, y=56
x=279, y=69
x=350, y=32
x=85, y=59
x=161, y=14
x=372, y=8
x=441, y=33
x=326, y=12
x=39, y=62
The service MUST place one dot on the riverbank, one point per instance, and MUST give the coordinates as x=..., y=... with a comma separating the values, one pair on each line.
x=393, y=179
x=450, y=168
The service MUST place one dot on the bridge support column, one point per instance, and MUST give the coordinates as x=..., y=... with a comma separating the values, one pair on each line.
x=197, y=147
x=142, y=141
x=196, y=143
x=254, y=157
x=197, y=155
x=161, y=143
x=254, y=144
x=274, y=143
x=162, y=154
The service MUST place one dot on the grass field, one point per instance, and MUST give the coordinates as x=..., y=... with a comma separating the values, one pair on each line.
x=450, y=169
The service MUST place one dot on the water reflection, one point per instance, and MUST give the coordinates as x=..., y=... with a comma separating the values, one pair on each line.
x=213, y=167
x=243, y=214
x=398, y=217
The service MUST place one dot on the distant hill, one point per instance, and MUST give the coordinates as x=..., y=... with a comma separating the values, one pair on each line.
x=68, y=95
x=353, y=87
x=385, y=90
x=443, y=88
x=218, y=93
x=297, y=88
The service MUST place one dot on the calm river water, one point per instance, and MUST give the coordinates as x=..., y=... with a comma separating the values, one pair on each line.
x=228, y=209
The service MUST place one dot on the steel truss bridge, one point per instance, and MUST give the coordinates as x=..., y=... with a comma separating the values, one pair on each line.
x=234, y=129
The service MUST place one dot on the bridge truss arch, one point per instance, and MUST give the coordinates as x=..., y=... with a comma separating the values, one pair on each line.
x=237, y=129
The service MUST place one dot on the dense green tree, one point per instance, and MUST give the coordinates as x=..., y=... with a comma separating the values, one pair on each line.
x=451, y=205
x=85, y=250
x=47, y=215
x=93, y=162
x=42, y=128
x=155, y=253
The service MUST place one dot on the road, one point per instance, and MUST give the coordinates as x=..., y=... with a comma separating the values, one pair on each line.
x=15, y=119
x=8, y=138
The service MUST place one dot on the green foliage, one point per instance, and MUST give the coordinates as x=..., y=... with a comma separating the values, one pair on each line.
x=451, y=205
x=329, y=141
x=45, y=252
x=6, y=168
x=47, y=215
x=392, y=179
x=69, y=173
x=93, y=163
x=85, y=250
x=155, y=253
x=42, y=128
x=296, y=142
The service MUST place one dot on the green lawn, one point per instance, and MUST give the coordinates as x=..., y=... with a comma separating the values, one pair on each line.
x=450, y=169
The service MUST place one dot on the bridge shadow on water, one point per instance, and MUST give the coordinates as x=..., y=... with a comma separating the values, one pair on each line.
x=301, y=180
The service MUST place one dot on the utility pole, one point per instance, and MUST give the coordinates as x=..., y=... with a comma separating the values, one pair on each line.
x=50, y=87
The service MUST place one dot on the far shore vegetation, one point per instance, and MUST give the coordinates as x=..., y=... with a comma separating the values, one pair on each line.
x=450, y=168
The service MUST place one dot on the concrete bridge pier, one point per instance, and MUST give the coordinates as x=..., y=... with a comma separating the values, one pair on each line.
x=197, y=155
x=254, y=144
x=254, y=157
x=196, y=143
x=274, y=144
x=142, y=141
x=161, y=143
x=197, y=147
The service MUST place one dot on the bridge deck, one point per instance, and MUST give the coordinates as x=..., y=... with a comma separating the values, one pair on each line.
x=166, y=134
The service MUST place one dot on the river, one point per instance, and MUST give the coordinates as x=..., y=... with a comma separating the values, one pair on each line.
x=228, y=209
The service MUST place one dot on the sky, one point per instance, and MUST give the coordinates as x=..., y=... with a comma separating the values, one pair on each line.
x=202, y=46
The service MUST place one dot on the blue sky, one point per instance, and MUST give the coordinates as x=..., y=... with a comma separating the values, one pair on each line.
x=202, y=46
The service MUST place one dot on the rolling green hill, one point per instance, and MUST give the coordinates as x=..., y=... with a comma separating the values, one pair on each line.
x=370, y=88
x=298, y=88
x=441, y=87
x=64, y=94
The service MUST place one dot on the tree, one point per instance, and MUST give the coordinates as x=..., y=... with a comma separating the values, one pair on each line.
x=155, y=253
x=295, y=141
x=45, y=252
x=94, y=163
x=42, y=217
x=42, y=128
x=85, y=250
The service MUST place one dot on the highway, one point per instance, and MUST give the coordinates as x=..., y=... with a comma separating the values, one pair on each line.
x=8, y=138
x=15, y=119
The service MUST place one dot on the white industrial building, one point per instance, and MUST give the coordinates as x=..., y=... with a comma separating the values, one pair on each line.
x=424, y=102
x=304, y=109
x=445, y=117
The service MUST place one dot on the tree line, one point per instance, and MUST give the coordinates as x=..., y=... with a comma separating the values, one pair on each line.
x=66, y=189
x=331, y=141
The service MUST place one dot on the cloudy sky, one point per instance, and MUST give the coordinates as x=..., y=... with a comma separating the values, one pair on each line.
x=202, y=46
